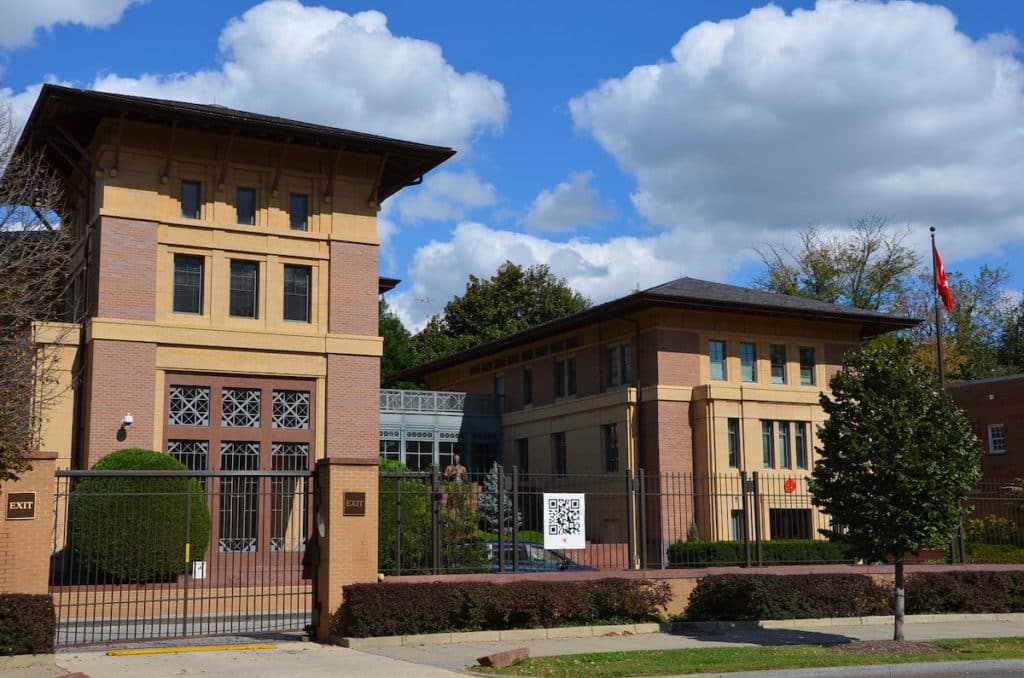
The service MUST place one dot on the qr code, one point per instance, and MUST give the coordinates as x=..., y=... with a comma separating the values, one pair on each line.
x=564, y=516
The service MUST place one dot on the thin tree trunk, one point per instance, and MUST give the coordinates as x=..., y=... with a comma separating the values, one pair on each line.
x=900, y=599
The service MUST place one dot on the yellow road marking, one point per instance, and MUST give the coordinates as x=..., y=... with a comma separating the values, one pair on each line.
x=200, y=648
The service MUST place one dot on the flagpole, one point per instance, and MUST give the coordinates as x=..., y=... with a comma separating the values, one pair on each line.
x=938, y=318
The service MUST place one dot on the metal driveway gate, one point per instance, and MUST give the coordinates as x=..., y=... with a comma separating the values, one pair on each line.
x=142, y=555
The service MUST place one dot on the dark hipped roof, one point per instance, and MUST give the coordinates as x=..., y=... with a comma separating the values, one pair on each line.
x=691, y=294
x=79, y=111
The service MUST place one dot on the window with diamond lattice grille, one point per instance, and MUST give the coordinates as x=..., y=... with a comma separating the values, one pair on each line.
x=287, y=505
x=189, y=406
x=238, y=518
x=291, y=409
x=240, y=407
x=194, y=454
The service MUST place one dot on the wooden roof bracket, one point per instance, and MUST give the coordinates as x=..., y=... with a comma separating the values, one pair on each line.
x=227, y=157
x=77, y=146
x=117, y=148
x=280, y=164
x=170, y=153
x=372, y=200
x=72, y=163
x=329, y=191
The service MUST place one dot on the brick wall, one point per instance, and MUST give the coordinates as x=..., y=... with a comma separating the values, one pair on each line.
x=834, y=358
x=353, y=306
x=121, y=380
x=25, y=545
x=353, y=407
x=126, y=285
x=996, y=402
x=678, y=358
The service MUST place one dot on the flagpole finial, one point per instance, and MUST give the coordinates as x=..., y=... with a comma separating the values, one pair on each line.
x=931, y=228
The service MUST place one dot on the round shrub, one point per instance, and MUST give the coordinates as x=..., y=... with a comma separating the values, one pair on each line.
x=134, y=528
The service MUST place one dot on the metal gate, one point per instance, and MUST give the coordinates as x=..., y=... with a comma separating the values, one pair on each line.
x=144, y=555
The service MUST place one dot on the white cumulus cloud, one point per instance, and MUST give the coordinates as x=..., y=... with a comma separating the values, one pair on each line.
x=571, y=204
x=345, y=70
x=780, y=121
x=22, y=18
x=445, y=195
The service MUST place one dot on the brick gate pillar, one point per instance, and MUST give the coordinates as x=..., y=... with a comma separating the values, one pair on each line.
x=346, y=520
x=26, y=527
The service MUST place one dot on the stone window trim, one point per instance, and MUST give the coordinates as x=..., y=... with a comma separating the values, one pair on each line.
x=718, y=357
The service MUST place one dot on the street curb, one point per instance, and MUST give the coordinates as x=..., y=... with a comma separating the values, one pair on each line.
x=945, y=669
x=559, y=632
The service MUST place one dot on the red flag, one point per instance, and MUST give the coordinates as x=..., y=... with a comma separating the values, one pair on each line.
x=941, y=283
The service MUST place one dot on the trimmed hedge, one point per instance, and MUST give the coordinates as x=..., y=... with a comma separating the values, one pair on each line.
x=133, y=529
x=737, y=597
x=939, y=592
x=27, y=624
x=994, y=553
x=406, y=609
x=774, y=552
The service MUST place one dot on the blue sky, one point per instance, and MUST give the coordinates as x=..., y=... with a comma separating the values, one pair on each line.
x=623, y=145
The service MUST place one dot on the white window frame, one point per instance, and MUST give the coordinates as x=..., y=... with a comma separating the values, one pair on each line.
x=992, y=438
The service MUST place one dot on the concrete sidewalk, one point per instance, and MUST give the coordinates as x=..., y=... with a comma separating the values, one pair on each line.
x=306, y=660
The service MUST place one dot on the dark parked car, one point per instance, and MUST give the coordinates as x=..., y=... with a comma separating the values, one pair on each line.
x=533, y=557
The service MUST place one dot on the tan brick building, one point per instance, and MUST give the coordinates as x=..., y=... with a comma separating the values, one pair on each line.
x=226, y=266
x=691, y=380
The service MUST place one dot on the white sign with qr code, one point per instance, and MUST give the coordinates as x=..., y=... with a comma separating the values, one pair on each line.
x=564, y=521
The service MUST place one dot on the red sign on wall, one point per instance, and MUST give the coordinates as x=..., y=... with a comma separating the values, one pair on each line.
x=790, y=486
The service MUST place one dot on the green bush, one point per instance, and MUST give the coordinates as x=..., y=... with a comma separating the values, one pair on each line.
x=736, y=597
x=133, y=529
x=27, y=624
x=405, y=609
x=774, y=552
x=410, y=499
x=991, y=530
x=971, y=592
x=994, y=553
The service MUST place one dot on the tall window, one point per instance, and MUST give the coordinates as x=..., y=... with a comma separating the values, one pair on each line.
x=244, y=288
x=298, y=212
x=561, y=454
x=996, y=439
x=523, y=456
x=768, y=444
x=611, y=448
x=734, y=442
x=778, y=359
x=191, y=199
x=527, y=385
x=188, y=284
x=245, y=206
x=297, y=284
x=807, y=366
x=801, y=444
x=748, y=362
x=785, y=448
x=565, y=377
x=716, y=349
x=619, y=365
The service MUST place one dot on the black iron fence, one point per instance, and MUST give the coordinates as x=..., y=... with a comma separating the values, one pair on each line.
x=141, y=555
x=457, y=522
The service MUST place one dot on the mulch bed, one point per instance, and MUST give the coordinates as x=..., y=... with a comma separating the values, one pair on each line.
x=890, y=647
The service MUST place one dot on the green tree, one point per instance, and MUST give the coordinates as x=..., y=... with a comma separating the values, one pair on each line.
x=868, y=267
x=398, y=349
x=896, y=459
x=490, y=508
x=974, y=333
x=1011, y=338
x=512, y=300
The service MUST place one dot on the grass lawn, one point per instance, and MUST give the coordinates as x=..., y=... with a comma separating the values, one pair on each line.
x=723, y=659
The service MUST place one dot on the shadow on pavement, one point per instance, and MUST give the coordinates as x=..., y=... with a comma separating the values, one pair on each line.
x=766, y=637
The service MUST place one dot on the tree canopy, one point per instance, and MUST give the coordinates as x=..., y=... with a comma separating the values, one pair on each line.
x=895, y=461
x=868, y=267
x=398, y=349
x=512, y=300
